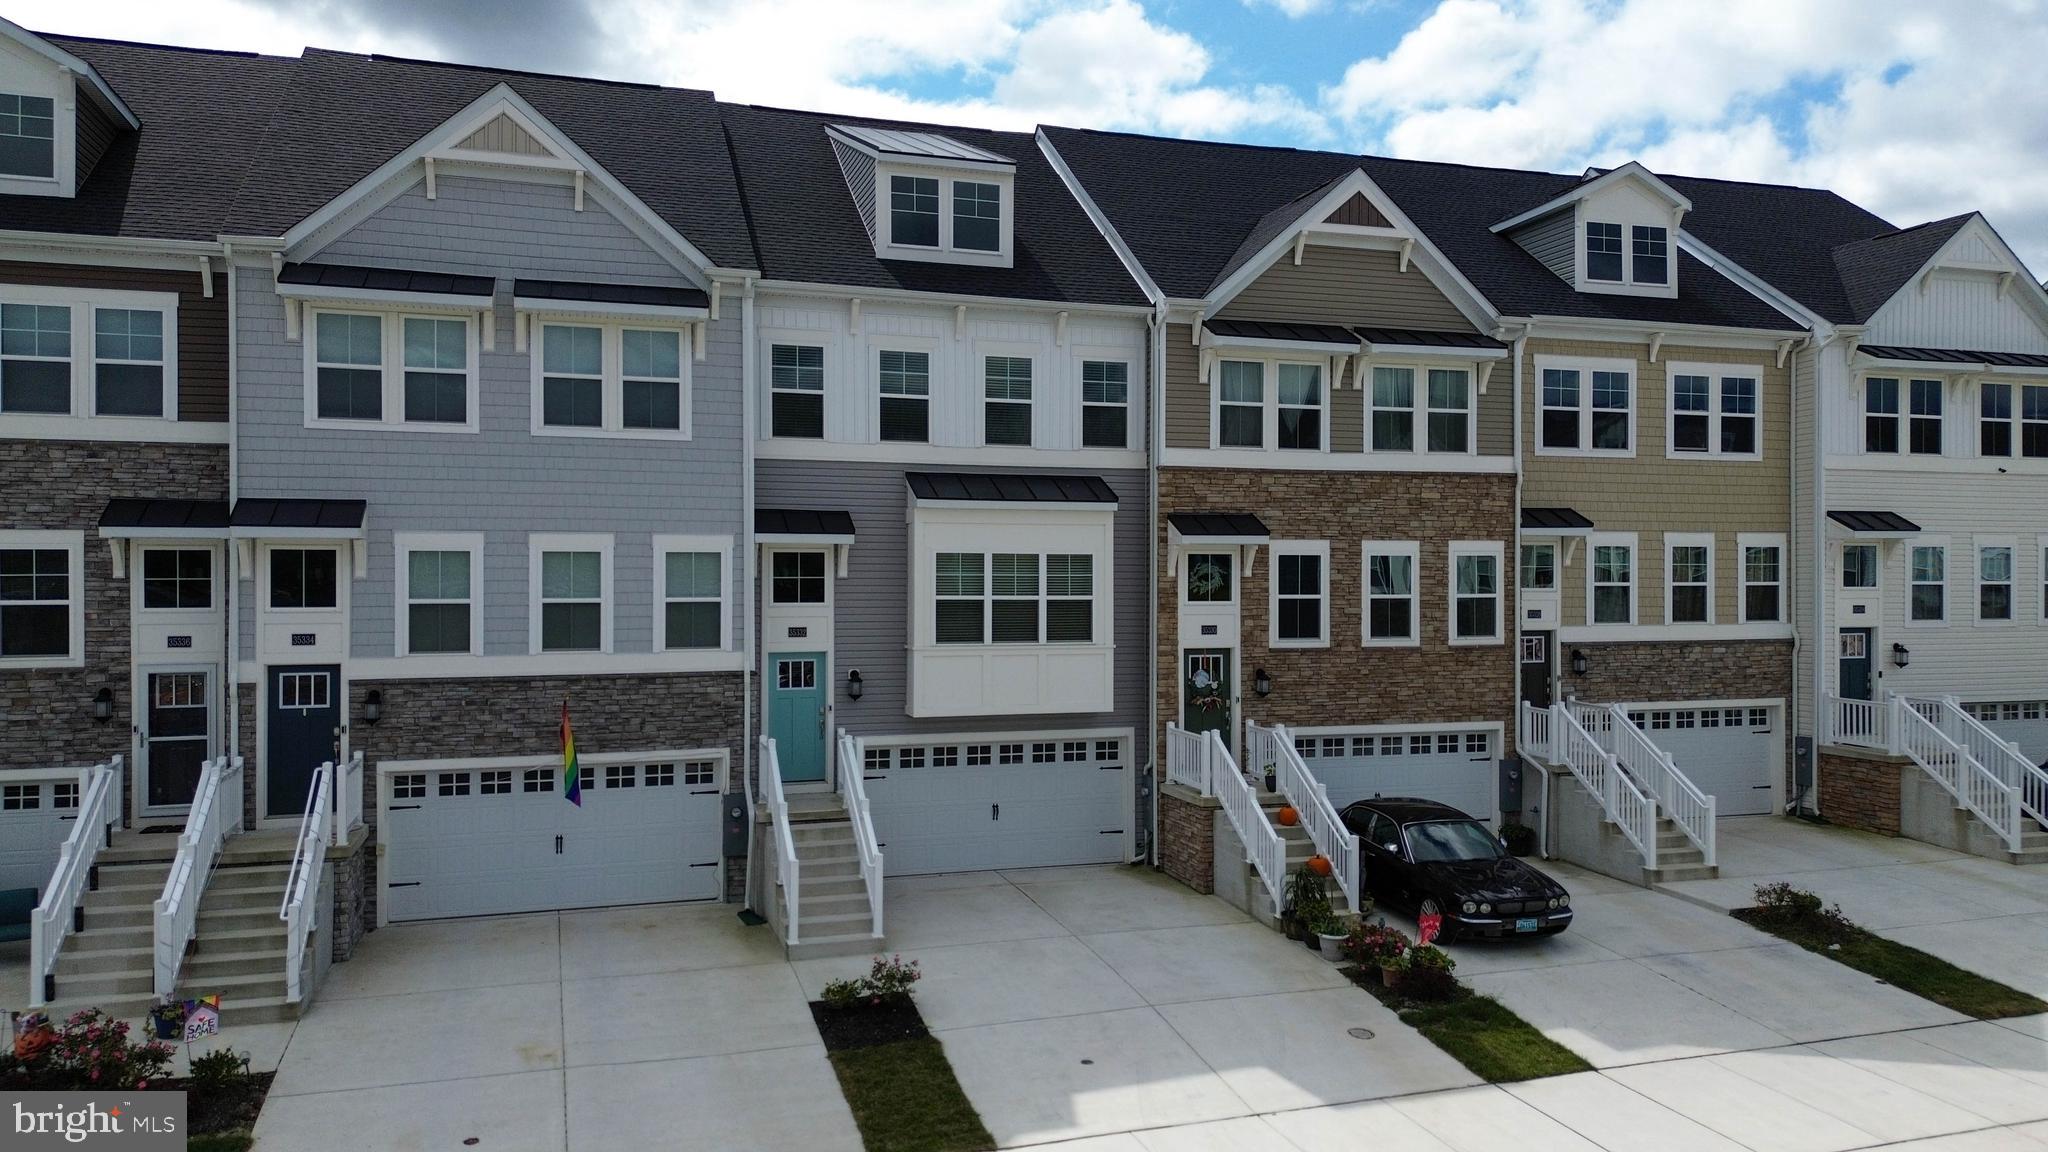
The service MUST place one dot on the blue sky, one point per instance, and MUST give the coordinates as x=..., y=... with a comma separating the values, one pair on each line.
x=1914, y=110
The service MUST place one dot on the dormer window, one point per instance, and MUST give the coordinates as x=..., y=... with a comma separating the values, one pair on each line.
x=914, y=211
x=28, y=136
x=977, y=216
x=928, y=197
x=1652, y=255
x=1612, y=232
x=1603, y=251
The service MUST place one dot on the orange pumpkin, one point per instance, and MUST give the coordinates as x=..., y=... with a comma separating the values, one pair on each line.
x=1289, y=817
x=1320, y=865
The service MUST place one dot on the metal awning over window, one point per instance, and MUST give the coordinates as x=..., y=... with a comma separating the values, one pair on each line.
x=1008, y=488
x=1555, y=522
x=1952, y=359
x=1874, y=525
x=1422, y=342
x=132, y=519
x=610, y=299
x=1324, y=339
x=307, y=519
x=802, y=526
x=346, y=283
x=1215, y=528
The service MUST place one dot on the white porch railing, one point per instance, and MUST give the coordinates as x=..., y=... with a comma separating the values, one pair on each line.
x=785, y=839
x=1920, y=736
x=1689, y=808
x=2001, y=757
x=853, y=790
x=1187, y=759
x=1263, y=847
x=60, y=910
x=1310, y=801
x=1860, y=723
x=306, y=886
x=1532, y=730
x=216, y=815
x=1624, y=804
x=348, y=799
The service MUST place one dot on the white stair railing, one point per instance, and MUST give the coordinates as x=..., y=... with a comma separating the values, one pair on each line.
x=306, y=886
x=1263, y=847
x=1689, y=808
x=1532, y=730
x=853, y=790
x=2001, y=757
x=216, y=814
x=1311, y=803
x=348, y=799
x=1624, y=804
x=1861, y=723
x=1187, y=759
x=1973, y=786
x=785, y=839
x=61, y=909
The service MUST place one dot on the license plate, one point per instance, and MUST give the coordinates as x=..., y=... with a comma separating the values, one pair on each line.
x=1527, y=924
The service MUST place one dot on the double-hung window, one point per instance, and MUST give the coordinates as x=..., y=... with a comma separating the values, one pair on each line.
x=1611, y=591
x=436, y=370
x=1713, y=411
x=28, y=136
x=1069, y=598
x=437, y=582
x=1300, y=594
x=1007, y=411
x=1652, y=253
x=1880, y=414
x=1561, y=409
x=1393, y=409
x=1300, y=417
x=1014, y=598
x=1763, y=579
x=1475, y=592
x=1923, y=430
x=1241, y=404
x=961, y=590
x=1603, y=251
x=1689, y=579
x=66, y=352
x=1929, y=583
x=572, y=380
x=796, y=387
x=414, y=372
x=570, y=597
x=1105, y=403
x=914, y=211
x=690, y=575
x=1450, y=410
x=1613, y=405
x=1994, y=582
x=613, y=380
x=651, y=379
x=128, y=362
x=348, y=358
x=904, y=383
x=42, y=616
x=1393, y=609
x=35, y=359
x=1996, y=422
x=1587, y=407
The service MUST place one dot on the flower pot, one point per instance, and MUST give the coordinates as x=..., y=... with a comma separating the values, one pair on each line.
x=1391, y=977
x=1332, y=946
x=166, y=1028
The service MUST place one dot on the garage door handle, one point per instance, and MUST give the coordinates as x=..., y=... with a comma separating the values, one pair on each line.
x=558, y=845
x=404, y=807
x=403, y=884
x=995, y=811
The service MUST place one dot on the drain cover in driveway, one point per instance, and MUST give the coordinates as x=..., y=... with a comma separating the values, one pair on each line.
x=1359, y=1033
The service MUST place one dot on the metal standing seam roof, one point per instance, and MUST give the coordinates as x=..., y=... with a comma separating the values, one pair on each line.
x=386, y=280
x=1873, y=522
x=1010, y=488
x=645, y=295
x=1954, y=356
x=905, y=142
x=1284, y=330
x=802, y=522
x=256, y=513
x=1201, y=525
x=126, y=512
x=1553, y=519
x=1426, y=339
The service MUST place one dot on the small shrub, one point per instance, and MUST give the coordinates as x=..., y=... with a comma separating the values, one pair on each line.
x=1519, y=838
x=91, y=1051
x=1429, y=958
x=1377, y=945
x=220, y=1071
x=844, y=993
x=891, y=976
x=1782, y=904
x=1308, y=895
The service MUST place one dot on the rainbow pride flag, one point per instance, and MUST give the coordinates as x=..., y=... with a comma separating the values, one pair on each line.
x=572, y=776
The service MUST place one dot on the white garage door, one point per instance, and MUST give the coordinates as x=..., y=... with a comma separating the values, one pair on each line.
x=1731, y=752
x=2023, y=721
x=1006, y=804
x=1455, y=768
x=35, y=817
x=472, y=841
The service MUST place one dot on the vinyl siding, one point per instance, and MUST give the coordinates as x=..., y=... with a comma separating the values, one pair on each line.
x=1358, y=211
x=1651, y=495
x=1958, y=310
x=202, y=322
x=1187, y=397
x=96, y=131
x=1348, y=286
x=859, y=169
x=871, y=606
x=503, y=135
x=1550, y=240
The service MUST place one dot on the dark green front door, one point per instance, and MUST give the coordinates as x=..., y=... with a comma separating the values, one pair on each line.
x=1207, y=684
x=1854, y=666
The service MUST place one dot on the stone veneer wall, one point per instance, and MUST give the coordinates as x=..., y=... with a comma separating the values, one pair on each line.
x=1681, y=670
x=1860, y=790
x=1187, y=842
x=46, y=713
x=351, y=899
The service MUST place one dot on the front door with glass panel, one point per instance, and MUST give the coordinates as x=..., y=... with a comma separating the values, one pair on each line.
x=1536, y=669
x=1205, y=691
x=177, y=736
x=304, y=730
x=1853, y=664
x=796, y=714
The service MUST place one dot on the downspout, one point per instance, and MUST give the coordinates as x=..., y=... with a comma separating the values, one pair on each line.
x=1818, y=528
x=231, y=565
x=746, y=569
x=1513, y=564
x=1154, y=446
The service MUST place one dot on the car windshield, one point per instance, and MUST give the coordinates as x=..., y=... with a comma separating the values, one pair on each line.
x=1451, y=840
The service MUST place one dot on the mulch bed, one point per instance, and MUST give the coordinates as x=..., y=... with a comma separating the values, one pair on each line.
x=222, y=1111
x=884, y=1020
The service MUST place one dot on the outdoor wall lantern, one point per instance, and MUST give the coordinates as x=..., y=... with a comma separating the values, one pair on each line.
x=373, y=706
x=1578, y=662
x=1262, y=683
x=1901, y=656
x=853, y=685
x=103, y=705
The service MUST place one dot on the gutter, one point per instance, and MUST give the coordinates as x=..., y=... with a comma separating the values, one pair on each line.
x=1018, y=304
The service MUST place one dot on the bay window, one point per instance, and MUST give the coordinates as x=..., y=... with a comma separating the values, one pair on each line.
x=1023, y=598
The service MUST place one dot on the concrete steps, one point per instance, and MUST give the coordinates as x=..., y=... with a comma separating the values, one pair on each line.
x=833, y=918
x=1678, y=858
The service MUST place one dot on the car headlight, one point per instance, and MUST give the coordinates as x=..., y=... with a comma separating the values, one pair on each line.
x=1484, y=907
x=1470, y=907
x=1564, y=901
x=1553, y=902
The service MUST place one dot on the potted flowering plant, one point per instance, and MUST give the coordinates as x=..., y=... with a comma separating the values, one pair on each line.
x=167, y=1018
x=1377, y=945
x=1428, y=975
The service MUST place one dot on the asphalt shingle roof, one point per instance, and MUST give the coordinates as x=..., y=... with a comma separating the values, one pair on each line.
x=1874, y=270
x=806, y=227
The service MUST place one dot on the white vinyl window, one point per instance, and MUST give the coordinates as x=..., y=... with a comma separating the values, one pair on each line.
x=1688, y=578
x=42, y=599
x=1859, y=566
x=625, y=380
x=1393, y=604
x=1924, y=401
x=1587, y=407
x=76, y=353
x=1929, y=583
x=1539, y=567
x=1450, y=411
x=903, y=385
x=1299, y=420
x=1209, y=579
x=1392, y=416
x=1300, y=599
x=1105, y=403
x=796, y=391
x=1006, y=412
x=1241, y=404
x=1995, y=581
x=1881, y=415
x=438, y=576
x=1014, y=598
x=1611, y=583
x=569, y=599
x=1763, y=579
x=416, y=373
x=1714, y=411
x=128, y=362
x=1997, y=420
x=693, y=593
x=177, y=579
x=28, y=135
x=1475, y=592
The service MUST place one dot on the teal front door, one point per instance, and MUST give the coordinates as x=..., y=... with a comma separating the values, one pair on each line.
x=796, y=714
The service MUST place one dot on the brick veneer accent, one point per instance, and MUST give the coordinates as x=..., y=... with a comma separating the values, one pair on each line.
x=1860, y=791
x=1664, y=670
x=1187, y=840
x=46, y=713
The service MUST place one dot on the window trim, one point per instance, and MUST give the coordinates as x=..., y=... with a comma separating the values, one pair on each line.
x=599, y=542
x=85, y=303
x=983, y=353
x=1628, y=540
x=611, y=376
x=1269, y=399
x=1715, y=374
x=391, y=367
x=918, y=346
x=342, y=575
x=1276, y=549
x=945, y=251
x=1585, y=367
x=662, y=546
x=769, y=343
x=1744, y=541
x=1086, y=356
x=1941, y=544
x=2012, y=581
x=216, y=594
x=403, y=544
x=73, y=543
x=1491, y=549
x=1412, y=549
x=1673, y=541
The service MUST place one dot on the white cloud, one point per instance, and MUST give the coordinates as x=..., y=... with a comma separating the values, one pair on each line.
x=1292, y=9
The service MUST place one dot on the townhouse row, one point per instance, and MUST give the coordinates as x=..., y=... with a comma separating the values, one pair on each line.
x=356, y=407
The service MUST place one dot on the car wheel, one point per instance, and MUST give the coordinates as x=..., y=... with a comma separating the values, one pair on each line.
x=1429, y=907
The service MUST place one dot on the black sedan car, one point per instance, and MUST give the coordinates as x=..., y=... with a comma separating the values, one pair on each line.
x=1424, y=857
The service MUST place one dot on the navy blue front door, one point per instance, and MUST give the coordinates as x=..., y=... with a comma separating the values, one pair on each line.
x=304, y=731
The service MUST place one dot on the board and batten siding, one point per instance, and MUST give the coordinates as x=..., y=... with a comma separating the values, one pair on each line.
x=871, y=605
x=1650, y=494
x=502, y=480
x=958, y=379
x=202, y=322
x=1347, y=286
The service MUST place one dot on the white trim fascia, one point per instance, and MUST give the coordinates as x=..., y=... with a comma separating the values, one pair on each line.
x=1275, y=460
x=1433, y=352
x=1755, y=285
x=541, y=309
x=106, y=251
x=1274, y=551
x=1585, y=189
x=720, y=544
x=1412, y=549
x=113, y=429
x=299, y=536
x=1015, y=505
x=1095, y=214
x=403, y=543
x=1021, y=304
x=382, y=299
x=71, y=64
x=930, y=455
x=1864, y=362
x=919, y=159
x=800, y=539
x=1674, y=633
x=603, y=544
x=1547, y=327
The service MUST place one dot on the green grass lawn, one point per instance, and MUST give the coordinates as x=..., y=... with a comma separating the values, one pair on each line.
x=1901, y=966
x=1482, y=1034
x=905, y=1099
